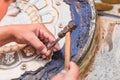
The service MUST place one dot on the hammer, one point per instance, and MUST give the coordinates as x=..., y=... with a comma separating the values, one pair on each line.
x=65, y=33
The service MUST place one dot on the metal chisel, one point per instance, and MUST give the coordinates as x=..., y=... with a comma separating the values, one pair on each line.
x=107, y=14
x=70, y=27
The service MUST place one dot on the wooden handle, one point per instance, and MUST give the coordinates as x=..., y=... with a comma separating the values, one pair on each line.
x=67, y=51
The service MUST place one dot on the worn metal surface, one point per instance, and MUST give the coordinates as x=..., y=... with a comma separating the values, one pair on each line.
x=106, y=65
x=12, y=62
x=51, y=13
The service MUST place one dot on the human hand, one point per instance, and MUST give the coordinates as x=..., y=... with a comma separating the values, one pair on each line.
x=36, y=35
x=72, y=74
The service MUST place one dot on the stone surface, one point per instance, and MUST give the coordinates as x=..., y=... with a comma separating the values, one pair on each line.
x=106, y=65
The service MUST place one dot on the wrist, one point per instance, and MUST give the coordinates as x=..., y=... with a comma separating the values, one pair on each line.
x=7, y=33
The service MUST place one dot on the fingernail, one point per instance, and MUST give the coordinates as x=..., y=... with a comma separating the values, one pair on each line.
x=44, y=51
x=63, y=71
x=57, y=46
x=54, y=50
x=43, y=56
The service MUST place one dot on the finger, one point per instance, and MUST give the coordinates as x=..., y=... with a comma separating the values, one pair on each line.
x=43, y=51
x=73, y=73
x=74, y=70
x=60, y=76
x=42, y=26
x=44, y=57
x=36, y=43
x=57, y=47
x=74, y=67
x=49, y=52
x=51, y=39
x=46, y=35
x=44, y=32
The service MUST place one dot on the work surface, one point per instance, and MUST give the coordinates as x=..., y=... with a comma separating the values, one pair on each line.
x=106, y=65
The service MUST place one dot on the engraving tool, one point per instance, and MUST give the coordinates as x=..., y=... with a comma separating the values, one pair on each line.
x=69, y=28
x=108, y=14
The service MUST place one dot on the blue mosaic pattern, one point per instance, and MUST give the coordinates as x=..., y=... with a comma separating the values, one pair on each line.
x=81, y=15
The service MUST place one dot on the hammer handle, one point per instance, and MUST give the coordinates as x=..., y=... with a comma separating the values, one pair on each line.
x=67, y=51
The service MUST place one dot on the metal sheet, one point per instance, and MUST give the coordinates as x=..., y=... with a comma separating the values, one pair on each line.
x=55, y=14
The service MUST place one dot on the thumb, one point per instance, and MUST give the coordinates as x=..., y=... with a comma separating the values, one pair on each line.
x=74, y=70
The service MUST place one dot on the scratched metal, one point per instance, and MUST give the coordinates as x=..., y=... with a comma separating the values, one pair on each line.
x=17, y=60
x=83, y=14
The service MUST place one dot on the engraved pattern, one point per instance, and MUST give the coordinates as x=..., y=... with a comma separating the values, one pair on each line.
x=55, y=14
x=38, y=11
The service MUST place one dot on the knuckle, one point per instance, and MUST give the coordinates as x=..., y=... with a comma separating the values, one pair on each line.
x=52, y=40
x=40, y=47
x=43, y=50
x=47, y=54
x=41, y=25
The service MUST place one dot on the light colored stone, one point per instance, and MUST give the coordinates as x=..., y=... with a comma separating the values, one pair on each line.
x=106, y=65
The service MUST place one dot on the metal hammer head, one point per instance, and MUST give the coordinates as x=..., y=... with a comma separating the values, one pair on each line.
x=70, y=27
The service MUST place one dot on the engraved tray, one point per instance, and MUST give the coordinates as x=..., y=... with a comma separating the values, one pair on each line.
x=23, y=64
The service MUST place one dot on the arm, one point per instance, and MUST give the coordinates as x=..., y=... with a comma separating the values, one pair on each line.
x=3, y=7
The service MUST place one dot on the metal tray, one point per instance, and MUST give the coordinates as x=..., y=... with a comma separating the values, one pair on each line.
x=55, y=14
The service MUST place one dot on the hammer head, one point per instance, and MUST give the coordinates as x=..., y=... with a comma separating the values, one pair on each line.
x=70, y=27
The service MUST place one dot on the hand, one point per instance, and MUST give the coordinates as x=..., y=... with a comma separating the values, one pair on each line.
x=36, y=35
x=72, y=74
